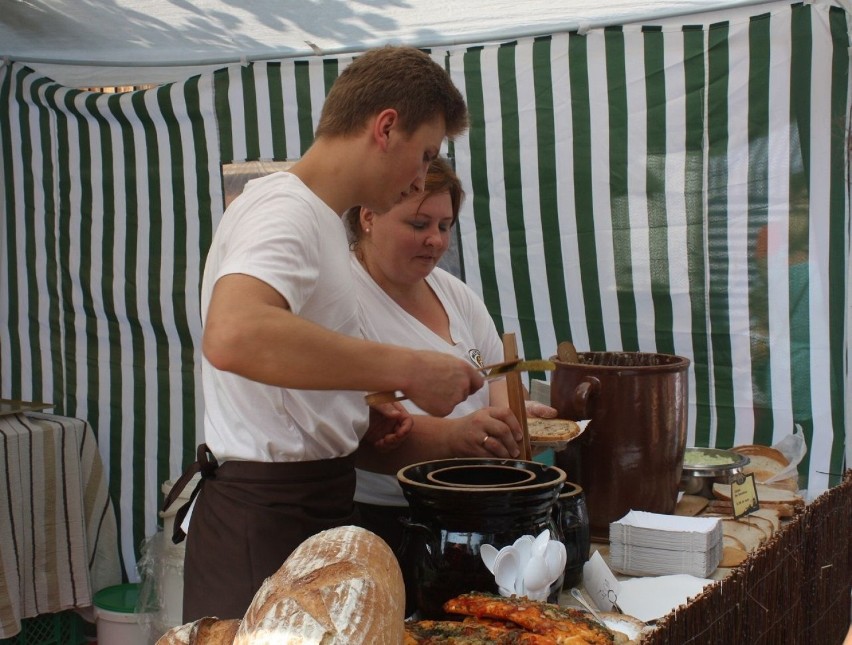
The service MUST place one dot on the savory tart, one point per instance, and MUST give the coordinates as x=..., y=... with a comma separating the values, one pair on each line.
x=453, y=632
x=564, y=625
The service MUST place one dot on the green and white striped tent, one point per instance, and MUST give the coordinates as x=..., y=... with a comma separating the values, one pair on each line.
x=678, y=186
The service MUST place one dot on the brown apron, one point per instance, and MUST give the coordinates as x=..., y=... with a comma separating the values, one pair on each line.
x=249, y=518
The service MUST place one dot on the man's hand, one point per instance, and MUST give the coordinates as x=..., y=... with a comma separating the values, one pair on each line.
x=390, y=423
x=440, y=382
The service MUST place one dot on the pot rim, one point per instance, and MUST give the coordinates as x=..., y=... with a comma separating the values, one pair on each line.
x=480, y=490
x=570, y=489
x=530, y=476
x=673, y=362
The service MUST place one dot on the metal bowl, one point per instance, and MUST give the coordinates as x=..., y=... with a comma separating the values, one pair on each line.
x=698, y=477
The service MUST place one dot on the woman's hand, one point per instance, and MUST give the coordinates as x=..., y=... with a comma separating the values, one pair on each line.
x=488, y=432
x=390, y=424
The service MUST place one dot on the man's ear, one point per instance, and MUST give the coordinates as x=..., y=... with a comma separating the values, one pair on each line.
x=383, y=124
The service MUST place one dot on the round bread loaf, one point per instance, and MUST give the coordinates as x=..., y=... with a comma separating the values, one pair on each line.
x=765, y=463
x=342, y=586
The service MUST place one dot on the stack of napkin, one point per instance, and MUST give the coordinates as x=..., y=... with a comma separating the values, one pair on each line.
x=652, y=544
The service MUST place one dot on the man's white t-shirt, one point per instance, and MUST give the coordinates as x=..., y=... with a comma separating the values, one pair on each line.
x=280, y=232
x=475, y=340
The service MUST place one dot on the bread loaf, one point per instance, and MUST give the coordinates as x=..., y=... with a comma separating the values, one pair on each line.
x=763, y=456
x=765, y=463
x=342, y=586
x=204, y=631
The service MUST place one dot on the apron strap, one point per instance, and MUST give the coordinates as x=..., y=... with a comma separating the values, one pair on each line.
x=205, y=464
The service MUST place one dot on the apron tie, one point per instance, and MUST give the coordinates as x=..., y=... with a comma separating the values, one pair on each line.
x=205, y=464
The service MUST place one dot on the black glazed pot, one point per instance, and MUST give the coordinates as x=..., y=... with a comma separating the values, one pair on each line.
x=448, y=522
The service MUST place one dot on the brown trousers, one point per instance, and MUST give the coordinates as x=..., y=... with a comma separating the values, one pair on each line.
x=248, y=518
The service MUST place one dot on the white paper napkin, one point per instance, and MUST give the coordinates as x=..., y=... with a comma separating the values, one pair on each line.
x=652, y=598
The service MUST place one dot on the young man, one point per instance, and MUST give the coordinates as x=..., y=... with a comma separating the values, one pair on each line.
x=284, y=372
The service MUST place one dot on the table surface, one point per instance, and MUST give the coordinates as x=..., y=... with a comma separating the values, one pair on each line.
x=58, y=534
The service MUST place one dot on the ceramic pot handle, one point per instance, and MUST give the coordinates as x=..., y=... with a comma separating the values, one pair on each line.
x=428, y=536
x=584, y=395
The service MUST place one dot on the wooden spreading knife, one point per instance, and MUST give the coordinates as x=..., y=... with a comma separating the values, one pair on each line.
x=492, y=371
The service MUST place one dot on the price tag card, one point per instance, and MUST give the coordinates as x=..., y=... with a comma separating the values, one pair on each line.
x=744, y=495
x=600, y=583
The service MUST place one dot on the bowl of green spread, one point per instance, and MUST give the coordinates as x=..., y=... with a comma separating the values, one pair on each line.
x=703, y=467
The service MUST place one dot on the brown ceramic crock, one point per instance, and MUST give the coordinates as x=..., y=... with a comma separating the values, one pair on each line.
x=631, y=454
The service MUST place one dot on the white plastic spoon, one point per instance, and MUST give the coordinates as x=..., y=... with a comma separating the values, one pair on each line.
x=536, y=575
x=524, y=546
x=506, y=568
x=556, y=557
x=488, y=553
x=540, y=543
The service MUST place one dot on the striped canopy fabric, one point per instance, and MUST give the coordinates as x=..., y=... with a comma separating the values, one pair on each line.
x=676, y=188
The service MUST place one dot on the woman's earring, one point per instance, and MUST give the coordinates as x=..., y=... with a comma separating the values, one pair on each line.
x=366, y=230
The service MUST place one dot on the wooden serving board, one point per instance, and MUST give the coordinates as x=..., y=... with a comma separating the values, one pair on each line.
x=516, y=393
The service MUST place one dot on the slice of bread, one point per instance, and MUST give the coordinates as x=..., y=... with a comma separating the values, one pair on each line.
x=761, y=522
x=690, y=505
x=790, y=483
x=552, y=429
x=732, y=556
x=750, y=535
x=768, y=494
x=770, y=514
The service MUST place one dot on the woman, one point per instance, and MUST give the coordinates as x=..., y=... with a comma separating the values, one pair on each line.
x=406, y=299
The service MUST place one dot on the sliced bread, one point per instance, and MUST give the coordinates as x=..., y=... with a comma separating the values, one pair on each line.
x=750, y=535
x=733, y=551
x=761, y=522
x=771, y=515
x=764, y=494
x=542, y=430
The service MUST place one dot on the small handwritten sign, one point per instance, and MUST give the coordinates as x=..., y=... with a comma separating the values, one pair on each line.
x=600, y=583
x=744, y=495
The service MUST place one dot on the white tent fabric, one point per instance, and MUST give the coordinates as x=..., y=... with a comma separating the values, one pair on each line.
x=97, y=43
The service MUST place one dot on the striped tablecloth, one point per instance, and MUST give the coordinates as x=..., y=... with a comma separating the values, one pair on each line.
x=58, y=538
